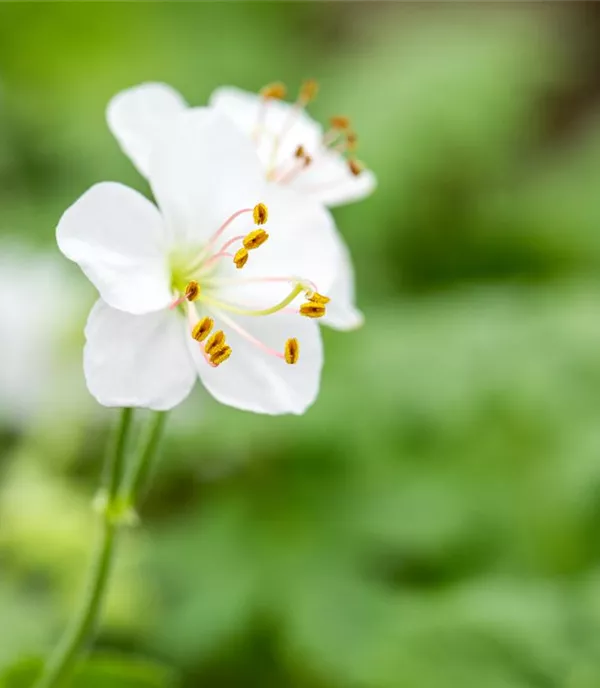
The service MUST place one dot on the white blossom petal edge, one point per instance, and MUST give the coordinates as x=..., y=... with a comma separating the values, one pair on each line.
x=196, y=287
x=138, y=116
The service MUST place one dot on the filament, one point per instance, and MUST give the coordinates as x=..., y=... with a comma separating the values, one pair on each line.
x=232, y=308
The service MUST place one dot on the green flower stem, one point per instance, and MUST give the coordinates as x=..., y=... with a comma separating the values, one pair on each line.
x=61, y=663
x=142, y=463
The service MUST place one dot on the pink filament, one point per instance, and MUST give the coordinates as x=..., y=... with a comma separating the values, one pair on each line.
x=226, y=224
x=247, y=336
x=177, y=302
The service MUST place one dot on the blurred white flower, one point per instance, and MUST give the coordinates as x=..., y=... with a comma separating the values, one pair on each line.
x=33, y=373
x=293, y=149
x=195, y=289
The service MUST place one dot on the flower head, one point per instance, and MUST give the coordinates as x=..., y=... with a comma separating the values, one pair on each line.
x=294, y=151
x=176, y=299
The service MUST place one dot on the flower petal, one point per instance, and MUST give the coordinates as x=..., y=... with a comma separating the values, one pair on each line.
x=254, y=380
x=118, y=238
x=341, y=313
x=137, y=117
x=137, y=360
x=202, y=171
x=244, y=110
x=330, y=181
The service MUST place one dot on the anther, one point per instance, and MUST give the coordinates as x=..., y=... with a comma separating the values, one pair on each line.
x=351, y=141
x=202, y=329
x=220, y=355
x=312, y=310
x=241, y=258
x=308, y=91
x=192, y=291
x=307, y=160
x=355, y=166
x=276, y=90
x=291, y=351
x=255, y=239
x=340, y=122
x=315, y=297
x=260, y=214
x=300, y=152
x=215, y=343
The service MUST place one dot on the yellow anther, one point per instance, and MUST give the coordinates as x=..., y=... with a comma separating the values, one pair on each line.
x=215, y=343
x=351, y=141
x=276, y=90
x=307, y=160
x=220, y=355
x=292, y=351
x=255, y=239
x=202, y=329
x=299, y=152
x=192, y=291
x=340, y=122
x=312, y=310
x=308, y=91
x=355, y=166
x=315, y=297
x=241, y=258
x=260, y=214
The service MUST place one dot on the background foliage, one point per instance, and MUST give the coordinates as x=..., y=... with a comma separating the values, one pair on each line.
x=433, y=521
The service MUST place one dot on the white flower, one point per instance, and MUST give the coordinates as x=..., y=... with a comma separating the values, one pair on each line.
x=193, y=288
x=293, y=149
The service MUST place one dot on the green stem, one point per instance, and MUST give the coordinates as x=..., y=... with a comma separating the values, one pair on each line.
x=60, y=665
x=143, y=460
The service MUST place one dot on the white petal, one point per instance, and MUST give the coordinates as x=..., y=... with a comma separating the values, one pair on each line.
x=253, y=380
x=137, y=117
x=202, y=171
x=244, y=109
x=341, y=313
x=330, y=181
x=118, y=238
x=137, y=360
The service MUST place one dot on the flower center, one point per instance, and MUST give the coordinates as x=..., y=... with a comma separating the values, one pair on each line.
x=195, y=281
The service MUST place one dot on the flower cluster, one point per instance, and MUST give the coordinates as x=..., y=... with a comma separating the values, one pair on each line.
x=227, y=277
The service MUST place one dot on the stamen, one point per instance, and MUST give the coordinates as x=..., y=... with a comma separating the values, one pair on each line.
x=315, y=297
x=255, y=239
x=220, y=355
x=192, y=291
x=277, y=91
x=331, y=137
x=351, y=141
x=299, y=152
x=202, y=329
x=241, y=258
x=312, y=310
x=260, y=213
x=177, y=302
x=295, y=170
x=226, y=224
x=307, y=285
x=215, y=342
x=356, y=167
x=308, y=91
x=232, y=308
x=340, y=122
x=292, y=351
x=274, y=91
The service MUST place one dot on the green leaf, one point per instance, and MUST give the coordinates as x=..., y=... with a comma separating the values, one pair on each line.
x=100, y=671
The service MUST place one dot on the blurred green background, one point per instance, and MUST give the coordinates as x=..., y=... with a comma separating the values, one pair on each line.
x=433, y=521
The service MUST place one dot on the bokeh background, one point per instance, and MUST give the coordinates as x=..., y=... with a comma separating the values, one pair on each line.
x=433, y=521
